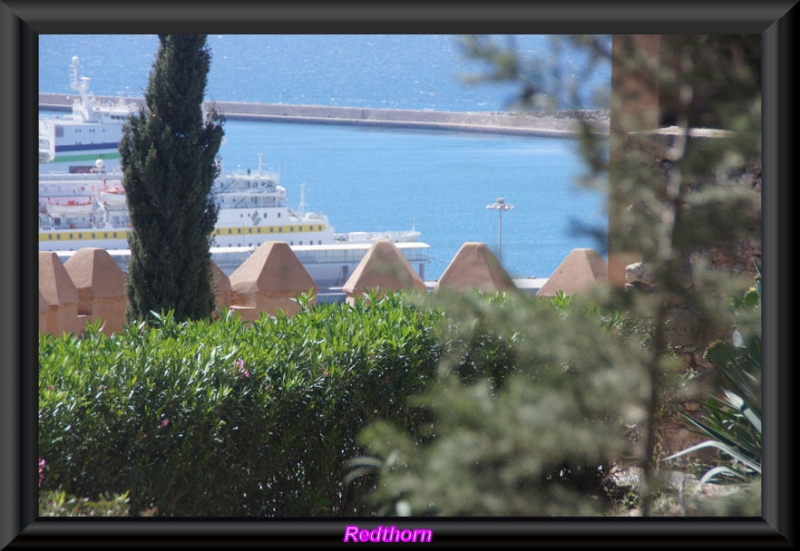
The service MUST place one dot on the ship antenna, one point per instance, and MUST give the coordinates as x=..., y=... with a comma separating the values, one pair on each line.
x=75, y=64
x=302, y=208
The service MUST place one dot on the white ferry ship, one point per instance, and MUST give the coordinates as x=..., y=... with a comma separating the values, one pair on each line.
x=82, y=210
x=72, y=143
x=82, y=201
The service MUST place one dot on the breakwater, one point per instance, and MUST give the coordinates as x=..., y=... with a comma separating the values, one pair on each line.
x=559, y=124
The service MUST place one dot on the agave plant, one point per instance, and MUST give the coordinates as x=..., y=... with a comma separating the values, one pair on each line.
x=733, y=422
x=735, y=429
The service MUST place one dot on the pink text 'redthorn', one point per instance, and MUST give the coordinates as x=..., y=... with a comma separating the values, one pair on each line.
x=386, y=534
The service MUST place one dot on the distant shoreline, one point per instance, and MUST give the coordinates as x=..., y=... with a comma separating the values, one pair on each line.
x=556, y=124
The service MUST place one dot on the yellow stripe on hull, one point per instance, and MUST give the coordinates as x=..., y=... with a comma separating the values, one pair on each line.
x=82, y=235
x=260, y=230
x=87, y=235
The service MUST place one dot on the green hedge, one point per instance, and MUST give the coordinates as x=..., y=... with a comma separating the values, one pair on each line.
x=230, y=418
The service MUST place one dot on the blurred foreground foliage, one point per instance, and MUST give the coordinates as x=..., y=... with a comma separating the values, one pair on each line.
x=530, y=408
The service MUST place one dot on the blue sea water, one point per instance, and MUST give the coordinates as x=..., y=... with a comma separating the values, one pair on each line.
x=367, y=179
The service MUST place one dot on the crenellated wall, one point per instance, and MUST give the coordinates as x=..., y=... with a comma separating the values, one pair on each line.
x=90, y=286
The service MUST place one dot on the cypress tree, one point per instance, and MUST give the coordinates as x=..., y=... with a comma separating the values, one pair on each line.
x=168, y=155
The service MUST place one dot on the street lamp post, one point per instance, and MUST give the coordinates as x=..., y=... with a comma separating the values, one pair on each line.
x=500, y=205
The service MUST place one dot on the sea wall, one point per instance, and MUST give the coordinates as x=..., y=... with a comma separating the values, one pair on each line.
x=560, y=124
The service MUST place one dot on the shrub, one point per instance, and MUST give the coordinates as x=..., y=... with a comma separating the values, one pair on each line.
x=58, y=504
x=228, y=418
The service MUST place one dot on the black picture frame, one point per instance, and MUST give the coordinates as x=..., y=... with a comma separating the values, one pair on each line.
x=22, y=21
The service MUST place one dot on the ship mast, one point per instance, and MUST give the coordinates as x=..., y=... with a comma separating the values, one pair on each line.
x=84, y=108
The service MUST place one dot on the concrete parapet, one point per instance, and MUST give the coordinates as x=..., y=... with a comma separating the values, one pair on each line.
x=269, y=281
x=100, y=284
x=475, y=267
x=60, y=294
x=383, y=268
x=579, y=270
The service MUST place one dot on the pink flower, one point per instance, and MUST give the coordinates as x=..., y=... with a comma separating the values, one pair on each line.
x=240, y=366
x=164, y=422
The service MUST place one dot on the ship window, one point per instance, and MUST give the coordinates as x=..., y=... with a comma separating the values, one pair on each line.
x=280, y=230
x=59, y=131
x=319, y=242
x=239, y=230
x=301, y=242
x=279, y=215
x=271, y=230
x=249, y=230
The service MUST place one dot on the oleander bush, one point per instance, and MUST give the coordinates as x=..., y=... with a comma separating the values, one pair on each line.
x=227, y=418
x=58, y=504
